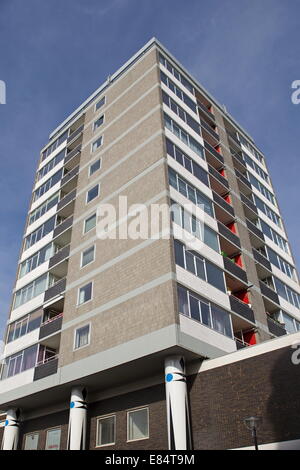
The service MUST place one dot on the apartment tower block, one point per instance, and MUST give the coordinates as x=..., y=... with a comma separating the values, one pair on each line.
x=102, y=331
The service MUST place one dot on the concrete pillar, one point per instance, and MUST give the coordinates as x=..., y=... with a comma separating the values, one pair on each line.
x=11, y=430
x=77, y=419
x=179, y=433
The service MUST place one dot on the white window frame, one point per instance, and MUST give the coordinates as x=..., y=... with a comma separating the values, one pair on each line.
x=99, y=418
x=78, y=293
x=97, y=119
x=52, y=429
x=81, y=258
x=89, y=336
x=100, y=160
x=92, y=144
x=84, y=223
x=31, y=434
x=87, y=193
x=95, y=109
x=146, y=407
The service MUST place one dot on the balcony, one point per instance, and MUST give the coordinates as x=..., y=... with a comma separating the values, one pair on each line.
x=47, y=367
x=223, y=204
x=243, y=179
x=261, y=259
x=60, y=256
x=268, y=292
x=241, y=308
x=54, y=291
x=69, y=176
x=210, y=130
x=212, y=156
x=234, y=139
x=72, y=155
x=204, y=111
x=276, y=328
x=220, y=179
x=74, y=134
x=53, y=325
x=229, y=235
x=252, y=227
x=235, y=270
x=248, y=203
x=70, y=197
x=65, y=225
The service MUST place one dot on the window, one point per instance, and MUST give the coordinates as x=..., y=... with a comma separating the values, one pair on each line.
x=261, y=188
x=85, y=293
x=274, y=236
x=48, y=185
x=55, y=144
x=189, y=222
x=98, y=122
x=88, y=256
x=197, y=308
x=95, y=166
x=53, y=439
x=267, y=211
x=100, y=103
x=188, y=163
x=181, y=113
x=36, y=260
x=190, y=192
x=199, y=266
x=90, y=223
x=23, y=326
x=31, y=441
x=97, y=144
x=42, y=209
x=39, y=233
x=138, y=424
x=176, y=73
x=50, y=165
x=82, y=337
x=92, y=193
x=106, y=431
x=183, y=96
x=31, y=290
x=183, y=136
x=20, y=361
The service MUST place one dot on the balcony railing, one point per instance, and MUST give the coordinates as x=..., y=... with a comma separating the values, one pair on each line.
x=275, y=327
x=248, y=203
x=206, y=112
x=66, y=199
x=218, y=176
x=60, y=256
x=71, y=174
x=208, y=128
x=46, y=368
x=221, y=202
x=241, y=344
x=236, y=270
x=72, y=154
x=241, y=308
x=51, y=326
x=209, y=148
x=243, y=178
x=75, y=134
x=57, y=289
x=252, y=227
x=261, y=259
x=234, y=138
x=232, y=237
x=268, y=292
x=65, y=225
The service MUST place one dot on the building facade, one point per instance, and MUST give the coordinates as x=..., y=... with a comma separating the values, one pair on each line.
x=107, y=337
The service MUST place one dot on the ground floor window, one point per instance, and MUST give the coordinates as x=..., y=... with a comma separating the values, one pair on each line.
x=106, y=431
x=138, y=424
x=53, y=439
x=31, y=441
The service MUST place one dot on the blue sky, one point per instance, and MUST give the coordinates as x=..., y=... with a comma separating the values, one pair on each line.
x=54, y=53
